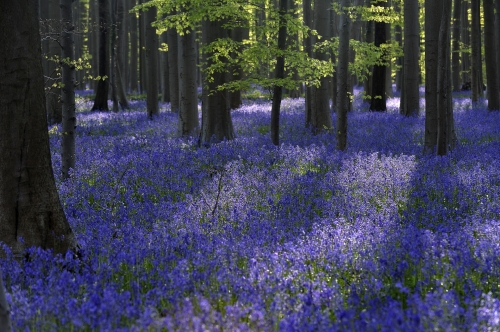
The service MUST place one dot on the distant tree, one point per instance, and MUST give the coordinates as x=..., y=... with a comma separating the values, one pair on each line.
x=492, y=83
x=378, y=98
x=188, y=92
x=101, y=97
x=68, y=89
x=455, y=52
x=30, y=211
x=134, y=48
x=342, y=72
x=321, y=118
x=5, y=323
x=173, y=69
x=410, y=101
x=308, y=48
x=433, y=10
x=151, y=63
x=476, y=83
x=54, y=106
x=279, y=73
x=165, y=87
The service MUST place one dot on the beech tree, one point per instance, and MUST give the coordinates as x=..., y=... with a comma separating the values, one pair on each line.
x=476, y=84
x=490, y=56
x=151, y=63
x=101, y=96
x=410, y=95
x=30, y=211
x=378, y=98
x=342, y=72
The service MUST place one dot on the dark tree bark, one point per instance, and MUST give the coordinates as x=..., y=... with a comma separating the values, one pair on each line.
x=279, y=74
x=54, y=106
x=165, y=92
x=410, y=102
x=465, y=39
x=188, y=94
x=433, y=10
x=173, y=70
x=308, y=42
x=378, y=100
x=321, y=118
x=476, y=85
x=30, y=211
x=444, y=136
x=490, y=56
x=68, y=89
x=101, y=97
x=216, y=122
x=455, y=55
x=342, y=72
x=151, y=63
x=134, y=55
x=118, y=72
x=398, y=37
x=497, y=29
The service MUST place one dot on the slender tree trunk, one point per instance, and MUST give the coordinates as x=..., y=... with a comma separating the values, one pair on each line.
x=216, y=122
x=497, y=29
x=101, y=97
x=120, y=54
x=279, y=74
x=94, y=42
x=151, y=63
x=455, y=56
x=490, y=56
x=342, y=72
x=444, y=89
x=30, y=211
x=476, y=87
x=465, y=39
x=398, y=37
x=143, y=74
x=410, y=103
x=134, y=55
x=173, y=70
x=388, y=67
x=5, y=323
x=308, y=42
x=236, y=73
x=378, y=100
x=68, y=89
x=188, y=94
x=433, y=10
x=321, y=118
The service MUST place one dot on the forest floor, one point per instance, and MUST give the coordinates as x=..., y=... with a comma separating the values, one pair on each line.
x=244, y=235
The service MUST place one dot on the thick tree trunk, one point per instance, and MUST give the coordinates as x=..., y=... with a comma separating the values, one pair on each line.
x=151, y=63
x=68, y=89
x=120, y=54
x=321, y=118
x=410, y=103
x=378, y=100
x=490, y=56
x=497, y=29
x=465, y=39
x=173, y=70
x=188, y=94
x=165, y=93
x=342, y=72
x=279, y=74
x=444, y=89
x=476, y=86
x=455, y=55
x=30, y=211
x=101, y=97
x=433, y=10
x=216, y=123
x=5, y=323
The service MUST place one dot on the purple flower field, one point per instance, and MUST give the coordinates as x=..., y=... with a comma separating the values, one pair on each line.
x=245, y=236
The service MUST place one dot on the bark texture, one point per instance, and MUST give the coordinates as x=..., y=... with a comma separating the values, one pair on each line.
x=410, y=102
x=188, y=94
x=455, y=56
x=342, y=72
x=151, y=63
x=378, y=100
x=173, y=70
x=476, y=83
x=101, y=96
x=30, y=210
x=490, y=56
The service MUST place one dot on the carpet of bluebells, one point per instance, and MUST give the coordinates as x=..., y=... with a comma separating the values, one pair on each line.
x=246, y=236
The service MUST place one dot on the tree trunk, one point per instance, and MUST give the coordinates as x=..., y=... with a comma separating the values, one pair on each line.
x=455, y=55
x=30, y=211
x=369, y=39
x=342, y=72
x=188, y=94
x=101, y=97
x=54, y=106
x=120, y=54
x=134, y=55
x=321, y=118
x=279, y=74
x=497, y=29
x=216, y=122
x=476, y=87
x=173, y=70
x=398, y=37
x=306, y=5
x=490, y=56
x=68, y=89
x=465, y=39
x=433, y=10
x=5, y=323
x=378, y=100
x=444, y=89
x=236, y=74
x=165, y=94
x=151, y=63
x=410, y=103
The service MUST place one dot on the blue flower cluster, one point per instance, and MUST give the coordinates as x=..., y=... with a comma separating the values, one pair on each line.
x=246, y=236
